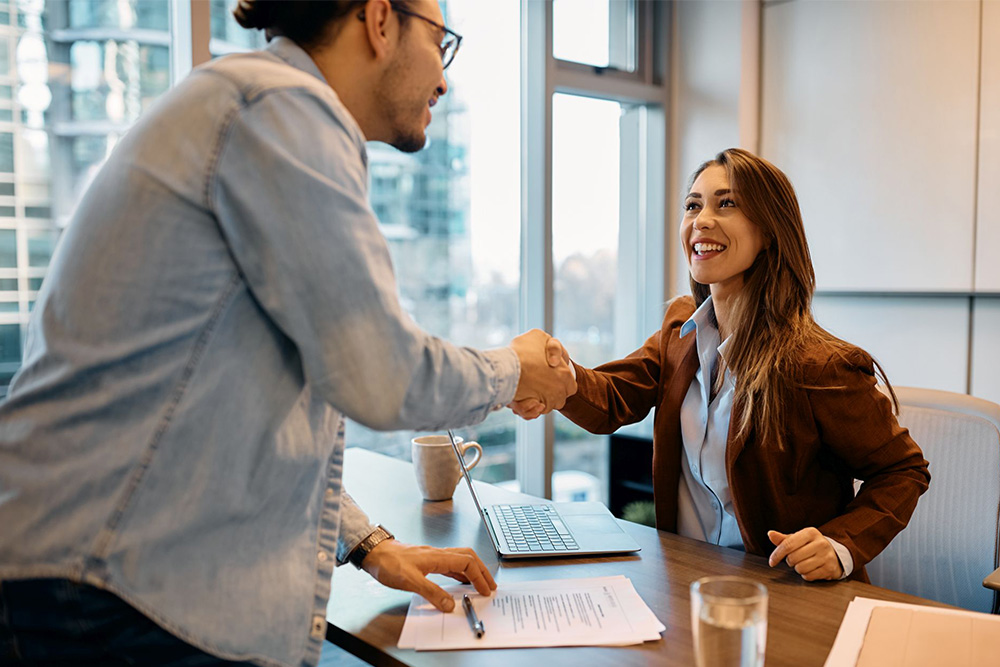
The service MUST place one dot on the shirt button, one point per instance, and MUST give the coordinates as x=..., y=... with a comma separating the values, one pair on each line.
x=321, y=556
x=318, y=626
x=329, y=493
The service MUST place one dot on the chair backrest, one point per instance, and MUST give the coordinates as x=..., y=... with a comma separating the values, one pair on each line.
x=952, y=540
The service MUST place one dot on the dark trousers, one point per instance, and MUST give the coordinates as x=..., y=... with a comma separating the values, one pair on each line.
x=55, y=622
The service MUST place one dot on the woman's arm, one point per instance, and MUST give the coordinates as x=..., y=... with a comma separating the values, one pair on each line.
x=856, y=422
x=618, y=392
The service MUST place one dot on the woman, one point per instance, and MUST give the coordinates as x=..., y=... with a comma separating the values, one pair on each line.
x=763, y=419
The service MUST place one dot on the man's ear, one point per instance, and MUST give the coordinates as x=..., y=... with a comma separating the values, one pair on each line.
x=380, y=28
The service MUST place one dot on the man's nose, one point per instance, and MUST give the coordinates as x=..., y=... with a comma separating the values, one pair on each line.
x=442, y=86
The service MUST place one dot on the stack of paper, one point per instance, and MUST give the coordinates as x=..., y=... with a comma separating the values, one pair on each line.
x=892, y=634
x=603, y=611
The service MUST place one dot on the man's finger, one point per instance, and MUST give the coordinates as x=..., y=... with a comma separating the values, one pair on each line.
x=467, y=565
x=434, y=594
x=478, y=562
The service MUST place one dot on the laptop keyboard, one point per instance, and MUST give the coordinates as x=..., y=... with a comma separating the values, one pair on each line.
x=534, y=528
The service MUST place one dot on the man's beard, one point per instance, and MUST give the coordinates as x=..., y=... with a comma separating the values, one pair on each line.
x=403, y=139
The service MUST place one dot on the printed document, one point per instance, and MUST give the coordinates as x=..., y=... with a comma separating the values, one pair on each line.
x=603, y=611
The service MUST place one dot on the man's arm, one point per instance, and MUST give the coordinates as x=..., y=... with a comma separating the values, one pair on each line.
x=289, y=192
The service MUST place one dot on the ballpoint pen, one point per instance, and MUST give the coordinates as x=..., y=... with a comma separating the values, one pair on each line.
x=470, y=613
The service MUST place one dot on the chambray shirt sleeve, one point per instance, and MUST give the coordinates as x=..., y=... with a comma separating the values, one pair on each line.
x=290, y=194
x=354, y=527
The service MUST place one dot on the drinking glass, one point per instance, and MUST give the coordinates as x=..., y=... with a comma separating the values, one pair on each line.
x=729, y=622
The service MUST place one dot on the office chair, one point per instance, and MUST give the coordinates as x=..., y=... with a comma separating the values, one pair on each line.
x=952, y=540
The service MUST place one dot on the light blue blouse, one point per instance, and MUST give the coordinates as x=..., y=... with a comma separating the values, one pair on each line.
x=704, y=503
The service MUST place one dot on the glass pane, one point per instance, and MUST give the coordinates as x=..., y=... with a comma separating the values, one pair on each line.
x=8, y=248
x=228, y=36
x=10, y=343
x=41, y=243
x=451, y=213
x=595, y=32
x=82, y=71
x=144, y=14
x=6, y=284
x=585, y=221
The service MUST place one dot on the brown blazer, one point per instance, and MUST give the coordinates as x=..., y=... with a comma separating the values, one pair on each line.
x=839, y=427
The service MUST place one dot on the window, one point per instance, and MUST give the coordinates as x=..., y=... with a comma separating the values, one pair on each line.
x=451, y=214
x=116, y=59
x=585, y=212
x=601, y=33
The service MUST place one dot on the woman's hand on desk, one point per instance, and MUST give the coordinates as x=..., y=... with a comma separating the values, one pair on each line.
x=405, y=567
x=808, y=552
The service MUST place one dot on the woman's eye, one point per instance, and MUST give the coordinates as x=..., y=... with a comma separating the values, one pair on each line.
x=725, y=203
x=690, y=206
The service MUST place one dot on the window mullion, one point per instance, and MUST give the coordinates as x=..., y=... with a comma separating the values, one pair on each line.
x=535, y=462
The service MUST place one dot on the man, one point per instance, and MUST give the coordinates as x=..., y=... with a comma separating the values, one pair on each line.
x=171, y=451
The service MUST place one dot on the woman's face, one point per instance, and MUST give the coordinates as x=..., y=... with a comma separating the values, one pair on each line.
x=720, y=243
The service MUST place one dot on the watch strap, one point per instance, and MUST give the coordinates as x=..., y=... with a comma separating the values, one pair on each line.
x=365, y=546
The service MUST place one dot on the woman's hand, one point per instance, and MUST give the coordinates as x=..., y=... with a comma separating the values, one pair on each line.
x=530, y=408
x=406, y=567
x=808, y=551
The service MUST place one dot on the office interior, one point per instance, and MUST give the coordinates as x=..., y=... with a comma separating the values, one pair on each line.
x=550, y=193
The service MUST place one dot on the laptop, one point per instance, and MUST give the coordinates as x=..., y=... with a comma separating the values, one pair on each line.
x=549, y=529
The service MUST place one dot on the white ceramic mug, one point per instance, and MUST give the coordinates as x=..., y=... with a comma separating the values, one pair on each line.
x=436, y=467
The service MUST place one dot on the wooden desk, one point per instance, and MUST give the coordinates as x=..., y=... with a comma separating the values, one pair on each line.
x=366, y=618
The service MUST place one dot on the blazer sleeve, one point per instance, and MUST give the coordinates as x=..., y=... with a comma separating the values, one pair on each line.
x=618, y=392
x=856, y=422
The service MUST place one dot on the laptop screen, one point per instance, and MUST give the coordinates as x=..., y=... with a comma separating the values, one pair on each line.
x=468, y=480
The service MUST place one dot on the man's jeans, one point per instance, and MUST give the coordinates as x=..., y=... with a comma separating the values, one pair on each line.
x=55, y=622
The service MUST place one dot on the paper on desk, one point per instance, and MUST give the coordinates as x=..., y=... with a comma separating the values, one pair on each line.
x=603, y=611
x=851, y=637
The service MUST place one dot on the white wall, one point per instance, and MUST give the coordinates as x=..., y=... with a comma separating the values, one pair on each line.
x=886, y=117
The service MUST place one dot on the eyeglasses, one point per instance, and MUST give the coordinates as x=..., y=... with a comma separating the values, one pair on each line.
x=449, y=43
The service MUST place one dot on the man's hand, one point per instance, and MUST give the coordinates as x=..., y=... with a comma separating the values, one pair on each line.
x=811, y=554
x=546, y=376
x=530, y=408
x=406, y=567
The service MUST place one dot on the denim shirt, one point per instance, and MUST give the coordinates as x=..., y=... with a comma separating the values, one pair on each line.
x=221, y=300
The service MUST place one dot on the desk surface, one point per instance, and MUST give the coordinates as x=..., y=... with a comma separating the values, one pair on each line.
x=366, y=618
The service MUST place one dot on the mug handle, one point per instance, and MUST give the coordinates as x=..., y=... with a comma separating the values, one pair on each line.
x=466, y=446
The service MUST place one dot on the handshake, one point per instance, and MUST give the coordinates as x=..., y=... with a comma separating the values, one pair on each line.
x=547, y=377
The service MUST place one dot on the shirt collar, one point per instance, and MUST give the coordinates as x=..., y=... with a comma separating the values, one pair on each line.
x=295, y=55
x=699, y=318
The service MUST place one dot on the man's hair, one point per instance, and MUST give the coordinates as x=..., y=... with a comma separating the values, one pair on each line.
x=308, y=23
x=771, y=320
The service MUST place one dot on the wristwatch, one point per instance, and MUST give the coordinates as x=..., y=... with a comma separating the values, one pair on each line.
x=365, y=546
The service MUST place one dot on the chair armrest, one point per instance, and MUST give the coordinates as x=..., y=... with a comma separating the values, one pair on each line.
x=993, y=580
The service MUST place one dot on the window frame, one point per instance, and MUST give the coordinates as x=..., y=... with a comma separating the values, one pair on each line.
x=644, y=244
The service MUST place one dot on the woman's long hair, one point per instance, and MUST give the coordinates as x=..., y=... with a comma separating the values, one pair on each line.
x=771, y=318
